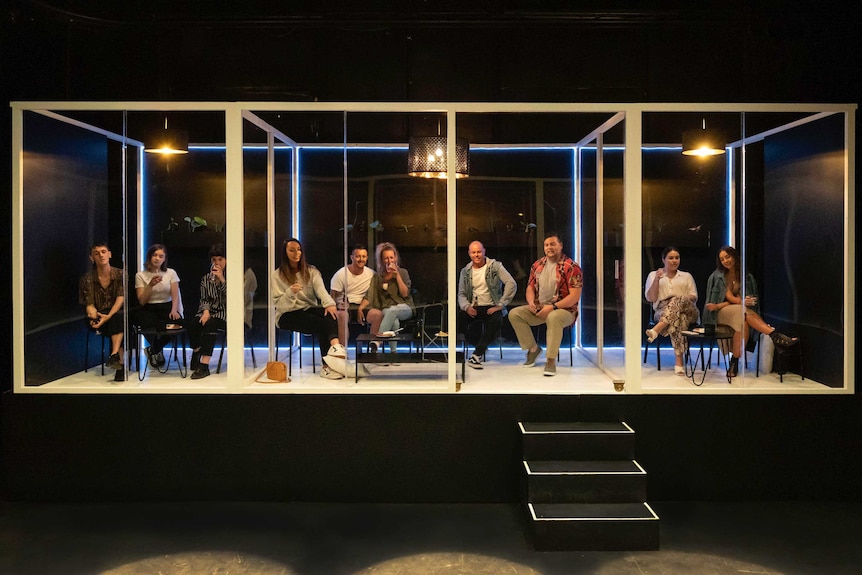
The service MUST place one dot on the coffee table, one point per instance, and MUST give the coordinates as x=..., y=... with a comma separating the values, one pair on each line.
x=721, y=333
x=421, y=355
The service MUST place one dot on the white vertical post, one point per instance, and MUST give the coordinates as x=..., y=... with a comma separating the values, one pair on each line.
x=235, y=245
x=451, y=247
x=632, y=250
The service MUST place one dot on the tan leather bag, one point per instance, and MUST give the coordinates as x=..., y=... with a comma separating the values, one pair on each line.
x=275, y=372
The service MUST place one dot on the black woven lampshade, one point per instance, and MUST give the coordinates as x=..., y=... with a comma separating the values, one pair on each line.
x=703, y=142
x=426, y=157
x=168, y=141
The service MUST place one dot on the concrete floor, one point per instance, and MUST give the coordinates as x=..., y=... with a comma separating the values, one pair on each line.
x=347, y=539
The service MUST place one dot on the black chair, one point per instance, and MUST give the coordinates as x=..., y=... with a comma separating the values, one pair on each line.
x=780, y=358
x=655, y=342
x=290, y=333
x=87, y=346
x=178, y=341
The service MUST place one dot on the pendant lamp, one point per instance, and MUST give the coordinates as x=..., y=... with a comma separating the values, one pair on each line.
x=703, y=142
x=426, y=157
x=168, y=141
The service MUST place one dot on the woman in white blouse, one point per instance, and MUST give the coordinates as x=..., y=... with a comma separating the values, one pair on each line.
x=672, y=294
x=158, y=289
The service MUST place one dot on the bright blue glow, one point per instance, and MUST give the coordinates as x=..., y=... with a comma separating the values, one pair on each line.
x=142, y=203
x=298, y=232
x=727, y=200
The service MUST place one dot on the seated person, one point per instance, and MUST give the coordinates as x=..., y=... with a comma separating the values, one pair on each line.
x=249, y=288
x=158, y=289
x=485, y=288
x=212, y=313
x=672, y=294
x=553, y=290
x=724, y=306
x=302, y=304
x=100, y=291
x=348, y=286
x=388, y=300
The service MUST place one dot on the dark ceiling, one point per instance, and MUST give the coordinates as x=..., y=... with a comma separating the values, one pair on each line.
x=431, y=50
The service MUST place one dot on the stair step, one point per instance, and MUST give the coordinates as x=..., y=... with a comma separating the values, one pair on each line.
x=577, y=441
x=594, y=526
x=585, y=481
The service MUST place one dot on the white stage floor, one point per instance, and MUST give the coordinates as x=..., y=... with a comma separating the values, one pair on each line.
x=504, y=376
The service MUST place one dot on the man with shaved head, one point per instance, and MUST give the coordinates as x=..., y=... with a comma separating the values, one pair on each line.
x=485, y=288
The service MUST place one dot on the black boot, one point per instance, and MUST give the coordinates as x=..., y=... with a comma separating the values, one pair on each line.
x=781, y=339
x=733, y=369
x=196, y=360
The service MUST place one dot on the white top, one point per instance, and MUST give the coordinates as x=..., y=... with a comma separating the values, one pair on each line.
x=162, y=290
x=682, y=285
x=357, y=286
x=481, y=293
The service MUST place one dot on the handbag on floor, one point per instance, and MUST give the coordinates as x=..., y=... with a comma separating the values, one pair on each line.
x=275, y=372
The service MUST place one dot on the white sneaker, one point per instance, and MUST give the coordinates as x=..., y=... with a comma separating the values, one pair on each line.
x=337, y=350
x=327, y=373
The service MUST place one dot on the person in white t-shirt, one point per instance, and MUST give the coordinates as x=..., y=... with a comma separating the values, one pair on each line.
x=485, y=288
x=673, y=295
x=348, y=286
x=158, y=289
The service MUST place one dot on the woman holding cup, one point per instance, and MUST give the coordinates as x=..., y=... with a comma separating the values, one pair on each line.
x=725, y=306
x=158, y=289
x=672, y=293
x=388, y=300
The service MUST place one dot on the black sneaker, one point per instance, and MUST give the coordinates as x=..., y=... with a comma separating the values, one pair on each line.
x=475, y=362
x=201, y=372
x=120, y=375
x=114, y=362
x=160, y=359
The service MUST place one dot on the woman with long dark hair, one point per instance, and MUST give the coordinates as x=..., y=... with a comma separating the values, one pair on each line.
x=303, y=304
x=672, y=293
x=725, y=306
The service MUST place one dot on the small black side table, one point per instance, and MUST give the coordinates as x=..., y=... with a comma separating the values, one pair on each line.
x=697, y=337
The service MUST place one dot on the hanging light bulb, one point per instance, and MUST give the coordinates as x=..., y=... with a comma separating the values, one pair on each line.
x=703, y=142
x=168, y=141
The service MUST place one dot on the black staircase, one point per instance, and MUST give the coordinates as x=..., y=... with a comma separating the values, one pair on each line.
x=584, y=489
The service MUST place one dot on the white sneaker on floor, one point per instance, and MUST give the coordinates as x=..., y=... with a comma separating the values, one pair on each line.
x=475, y=362
x=328, y=373
x=337, y=350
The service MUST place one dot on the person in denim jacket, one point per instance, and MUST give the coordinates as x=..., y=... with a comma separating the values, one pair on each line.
x=485, y=288
x=725, y=306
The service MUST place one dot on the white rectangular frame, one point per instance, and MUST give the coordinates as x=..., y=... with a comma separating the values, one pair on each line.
x=235, y=112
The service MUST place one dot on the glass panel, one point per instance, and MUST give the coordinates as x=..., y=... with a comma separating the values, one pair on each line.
x=686, y=207
x=520, y=190
x=793, y=247
x=74, y=241
x=390, y=210
x=613, y=356
x=182, y=209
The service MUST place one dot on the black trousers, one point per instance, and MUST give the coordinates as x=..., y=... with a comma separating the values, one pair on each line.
x=493, y=323
x=204, y=336
x=155, y=316
x=312, y=320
